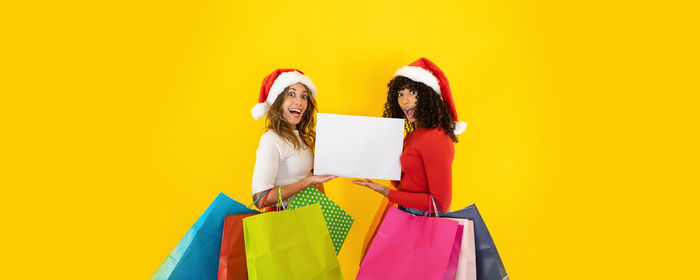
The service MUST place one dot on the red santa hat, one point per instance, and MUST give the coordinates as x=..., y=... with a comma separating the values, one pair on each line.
x=274, y=84
x=426, y=72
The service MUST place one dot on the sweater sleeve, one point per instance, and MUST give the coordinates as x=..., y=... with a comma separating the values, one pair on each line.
x=410, y=199
x=437, y=155
x=267, y=162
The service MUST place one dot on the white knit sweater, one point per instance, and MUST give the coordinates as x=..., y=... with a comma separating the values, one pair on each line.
x=277, y=163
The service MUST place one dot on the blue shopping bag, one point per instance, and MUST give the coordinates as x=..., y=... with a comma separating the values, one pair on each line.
x=196, y=256
x=488, y=263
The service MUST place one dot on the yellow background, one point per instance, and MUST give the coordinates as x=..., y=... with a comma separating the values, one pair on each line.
x=122, y=120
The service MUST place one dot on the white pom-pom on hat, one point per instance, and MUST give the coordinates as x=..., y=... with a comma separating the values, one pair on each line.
x=259, y=110
x=460, y=127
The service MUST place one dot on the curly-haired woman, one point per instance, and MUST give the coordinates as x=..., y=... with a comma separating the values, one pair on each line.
x=284, y=158
x=421, y=94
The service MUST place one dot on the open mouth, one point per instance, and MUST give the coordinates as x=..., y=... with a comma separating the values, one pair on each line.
x=409, y=112
x=295, y=112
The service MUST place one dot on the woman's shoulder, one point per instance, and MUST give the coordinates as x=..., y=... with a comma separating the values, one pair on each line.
x=270, y=136
x=432, y=134
x=433, y=140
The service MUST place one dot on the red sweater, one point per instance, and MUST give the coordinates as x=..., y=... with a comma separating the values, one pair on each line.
x=426, y=168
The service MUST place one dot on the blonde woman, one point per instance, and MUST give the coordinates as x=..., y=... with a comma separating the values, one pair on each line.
x=284, y=158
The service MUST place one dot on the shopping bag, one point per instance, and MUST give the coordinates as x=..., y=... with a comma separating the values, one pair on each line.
x=232, y=262
x=453, y=263
x=337, y=220
x=488, y=263
x=196, y=256
x=384, y=206
x=466, y=263
x=409, y=247
x=290, y=244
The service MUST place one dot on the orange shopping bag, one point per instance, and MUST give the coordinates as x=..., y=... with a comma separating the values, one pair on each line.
x=378, y=218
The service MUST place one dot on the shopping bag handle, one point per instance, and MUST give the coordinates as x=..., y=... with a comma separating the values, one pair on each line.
x=279, y=200
x=436, y=206
x=259, y=197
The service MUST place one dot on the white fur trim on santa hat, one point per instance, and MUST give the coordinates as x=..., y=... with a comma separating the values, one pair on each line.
x=287, y=79
x=460, y=127
x=421, y=75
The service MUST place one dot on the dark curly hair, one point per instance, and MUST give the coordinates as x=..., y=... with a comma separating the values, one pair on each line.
x=431, y=112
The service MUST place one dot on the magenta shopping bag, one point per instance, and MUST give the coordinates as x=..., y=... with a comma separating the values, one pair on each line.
x=466, y=268
x=488, y=262
x=452, y=265
x=410, y=247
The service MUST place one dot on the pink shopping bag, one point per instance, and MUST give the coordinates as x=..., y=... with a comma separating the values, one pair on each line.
x=410, y=247
x=466, y=268
x=453, y=264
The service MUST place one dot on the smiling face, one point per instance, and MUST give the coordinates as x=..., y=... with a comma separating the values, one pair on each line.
x=407, y=100
x=296, y=100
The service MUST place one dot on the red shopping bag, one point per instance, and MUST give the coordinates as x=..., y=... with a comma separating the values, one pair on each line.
x=410, y=247
x=232, y=261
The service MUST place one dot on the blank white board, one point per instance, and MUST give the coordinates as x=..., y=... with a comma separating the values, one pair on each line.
x=358, y=147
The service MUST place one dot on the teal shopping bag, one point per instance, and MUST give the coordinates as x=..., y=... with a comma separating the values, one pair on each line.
x=196, y=256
